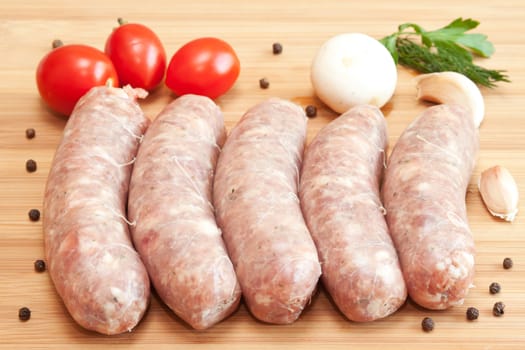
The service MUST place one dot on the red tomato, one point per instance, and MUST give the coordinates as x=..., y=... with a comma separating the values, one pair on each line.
x=138, y=55
x=66, y=73
x=205, y=66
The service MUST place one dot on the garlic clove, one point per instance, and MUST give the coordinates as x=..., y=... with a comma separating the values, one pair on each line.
x=452, y=88
x=499, y=192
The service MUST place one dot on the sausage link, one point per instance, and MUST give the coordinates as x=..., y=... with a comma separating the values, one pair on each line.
x=175, y=230
x=91, y=260
x=339, y=194
x=424, y=194
x=255, y=196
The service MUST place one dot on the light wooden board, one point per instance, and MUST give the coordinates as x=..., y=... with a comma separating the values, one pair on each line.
x=26, y=31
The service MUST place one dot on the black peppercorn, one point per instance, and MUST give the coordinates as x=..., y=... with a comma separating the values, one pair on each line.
x=264, y=83
x=507, y=263
x=34, y=215
x=24, y=313
x=311, y=111
x=472, y=313
x=277, y=48
x=57, y=43
x=40, y=265
x=30, y=133
x=494, y=288
x=31, y=165
x=427, y=324
x=498, y=309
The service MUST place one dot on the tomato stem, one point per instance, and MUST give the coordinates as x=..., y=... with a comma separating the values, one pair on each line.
x=121, y=21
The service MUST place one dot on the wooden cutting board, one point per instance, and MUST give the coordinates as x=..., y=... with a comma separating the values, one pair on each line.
x=26, y=31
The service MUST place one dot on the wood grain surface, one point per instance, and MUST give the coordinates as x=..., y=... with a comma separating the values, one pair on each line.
x=26, y=31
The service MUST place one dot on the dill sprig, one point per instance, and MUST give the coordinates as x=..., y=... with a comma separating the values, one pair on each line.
x=446, y=49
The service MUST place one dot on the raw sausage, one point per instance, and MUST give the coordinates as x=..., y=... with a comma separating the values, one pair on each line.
x=424, y=195
x=339, y=195
x=93, y=265
x=174, y=227
x=255, y=196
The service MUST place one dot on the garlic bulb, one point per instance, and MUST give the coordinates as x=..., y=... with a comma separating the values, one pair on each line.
x=499, y=192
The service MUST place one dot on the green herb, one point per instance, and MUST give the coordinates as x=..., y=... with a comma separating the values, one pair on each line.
x=446, y=49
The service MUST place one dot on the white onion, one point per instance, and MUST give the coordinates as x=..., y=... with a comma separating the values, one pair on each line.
x=351, y=69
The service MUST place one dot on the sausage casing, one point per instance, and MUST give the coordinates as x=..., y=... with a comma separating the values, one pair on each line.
x=339, y=192
x=424, y=194
x=94, y=267
x=255, y=195
x=170, y=205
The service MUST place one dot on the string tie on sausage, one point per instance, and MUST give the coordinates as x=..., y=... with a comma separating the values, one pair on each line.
x=139, y=138
x=123, y=217
x=193, y=185
x=419, y=137
x=121, y=165
x=122, y=123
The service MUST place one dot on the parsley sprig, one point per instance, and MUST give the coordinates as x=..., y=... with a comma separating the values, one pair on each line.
x=446, y=49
